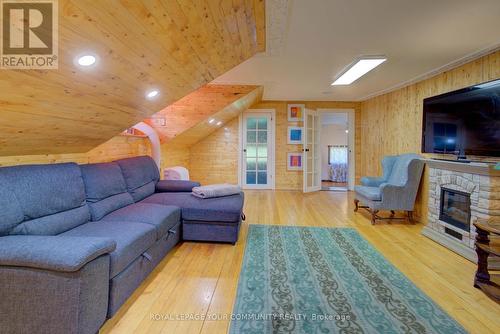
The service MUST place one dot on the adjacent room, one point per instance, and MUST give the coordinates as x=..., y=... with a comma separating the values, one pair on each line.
x=334, y=142
x=249, y=166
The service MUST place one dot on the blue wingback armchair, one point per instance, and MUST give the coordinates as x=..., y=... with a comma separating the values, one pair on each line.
x=395, y=190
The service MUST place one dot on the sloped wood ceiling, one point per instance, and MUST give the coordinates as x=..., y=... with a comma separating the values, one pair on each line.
x=185, y=122
x=173, y=46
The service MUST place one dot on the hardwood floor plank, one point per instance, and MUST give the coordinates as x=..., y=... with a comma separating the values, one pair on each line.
x=202, y=278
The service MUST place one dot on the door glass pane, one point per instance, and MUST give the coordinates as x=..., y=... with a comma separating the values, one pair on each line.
x=262, y=137
x=262, y=123
x=251, y=177
x=262, y=178
x=251, y=123
x=262, y=150
x=251, y=136
x=262, y=164
x=251, y=151
x=251, y=163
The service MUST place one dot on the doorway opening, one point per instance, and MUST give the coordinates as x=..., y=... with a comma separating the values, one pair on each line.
x=335, y=153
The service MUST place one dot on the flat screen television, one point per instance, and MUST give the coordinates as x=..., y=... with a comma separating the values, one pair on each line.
x=463, y=122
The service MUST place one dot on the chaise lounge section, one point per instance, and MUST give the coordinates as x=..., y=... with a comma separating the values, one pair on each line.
x=76, y=241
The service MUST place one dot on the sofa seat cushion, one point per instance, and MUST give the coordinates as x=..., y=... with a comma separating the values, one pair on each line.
x=162, y=217
x=371, y=193
x=132, y=239
x=219, y=209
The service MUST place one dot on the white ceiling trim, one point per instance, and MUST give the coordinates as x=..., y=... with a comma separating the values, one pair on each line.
x=451, y=65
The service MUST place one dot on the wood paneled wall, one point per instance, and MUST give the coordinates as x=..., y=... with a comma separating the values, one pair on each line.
x=215, y=158
x=392, y=123
x=172, y=156
x=117, y=148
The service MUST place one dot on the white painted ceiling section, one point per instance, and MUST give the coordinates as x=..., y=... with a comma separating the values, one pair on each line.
x=309, y=42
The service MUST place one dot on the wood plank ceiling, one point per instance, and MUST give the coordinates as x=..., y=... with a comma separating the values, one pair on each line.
x=173, y=46
x=186, y=121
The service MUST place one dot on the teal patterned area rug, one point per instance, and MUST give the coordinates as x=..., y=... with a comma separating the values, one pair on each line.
x=327, y=280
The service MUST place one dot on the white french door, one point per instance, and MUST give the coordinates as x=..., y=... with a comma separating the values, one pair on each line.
x=312, y=159
x=257, y=133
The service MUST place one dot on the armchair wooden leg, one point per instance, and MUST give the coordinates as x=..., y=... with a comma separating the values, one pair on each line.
x=356, y=205
x=374, y=216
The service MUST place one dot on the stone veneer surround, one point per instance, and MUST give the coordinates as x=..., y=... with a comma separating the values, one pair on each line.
x=477, y=179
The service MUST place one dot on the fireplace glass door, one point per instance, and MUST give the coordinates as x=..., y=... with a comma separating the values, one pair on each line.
x=455, y=208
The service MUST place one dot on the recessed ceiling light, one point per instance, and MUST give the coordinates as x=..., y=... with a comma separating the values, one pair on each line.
x=358, y=69
x=219, y=123
x=87, y=60
x=211, y=120
x=152, y=94
x=346, y=131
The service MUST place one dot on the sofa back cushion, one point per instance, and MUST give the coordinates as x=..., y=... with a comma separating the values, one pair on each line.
x=105, y=188
x=42, y=199
x=141, y=175
x=11, y=213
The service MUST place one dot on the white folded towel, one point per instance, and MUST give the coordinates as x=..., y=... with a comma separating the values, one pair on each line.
x=216, y=190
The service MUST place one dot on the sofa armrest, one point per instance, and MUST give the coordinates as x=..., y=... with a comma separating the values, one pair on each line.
x=372, y=181
x=175, y=186
x=56, y=253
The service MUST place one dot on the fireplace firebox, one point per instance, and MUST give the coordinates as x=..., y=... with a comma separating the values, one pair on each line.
x=455, y=208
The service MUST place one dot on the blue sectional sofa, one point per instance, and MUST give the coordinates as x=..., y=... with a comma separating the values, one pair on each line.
x=76, y=241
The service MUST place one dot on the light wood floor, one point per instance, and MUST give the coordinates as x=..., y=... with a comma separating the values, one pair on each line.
x=201, y=278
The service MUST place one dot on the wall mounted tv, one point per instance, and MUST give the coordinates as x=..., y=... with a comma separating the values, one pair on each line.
x=463, y=122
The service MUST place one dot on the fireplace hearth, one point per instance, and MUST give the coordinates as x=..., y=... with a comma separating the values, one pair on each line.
x=455, y=208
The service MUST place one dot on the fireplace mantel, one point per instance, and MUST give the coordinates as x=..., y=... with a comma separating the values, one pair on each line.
x=479, y=180
x=478, y=168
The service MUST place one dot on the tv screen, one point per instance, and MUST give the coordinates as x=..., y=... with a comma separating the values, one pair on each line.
x=464, y=121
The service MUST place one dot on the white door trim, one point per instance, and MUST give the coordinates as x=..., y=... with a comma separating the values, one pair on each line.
x=351, y=140
x=271, y=154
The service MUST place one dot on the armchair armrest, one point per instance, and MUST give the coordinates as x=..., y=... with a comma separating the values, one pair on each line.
x=56, y=253
x=396, y=197
x=372, y=181
x=175, y=186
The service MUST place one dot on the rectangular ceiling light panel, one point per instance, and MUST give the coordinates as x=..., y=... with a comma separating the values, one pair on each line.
x=358, y=69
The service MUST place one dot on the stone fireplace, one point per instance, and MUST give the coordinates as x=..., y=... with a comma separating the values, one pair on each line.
x=459, y=195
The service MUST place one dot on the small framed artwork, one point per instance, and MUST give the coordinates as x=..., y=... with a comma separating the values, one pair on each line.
x=295, y=135
x=294, y=161
x=296, y=112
